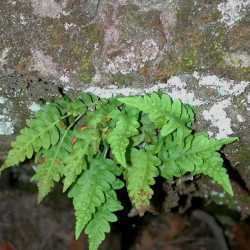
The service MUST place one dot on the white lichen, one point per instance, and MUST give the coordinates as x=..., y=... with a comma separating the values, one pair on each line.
x=23, y=20
x=178, y=89
x=149, y=50
x=216, y=109
x=64, y=78
x=68, y=26
x=48, y=8
x=124, y=64
x=34, y=107
x=113, y=90
x=219, y=118
x=240, y=118
x=3, y=56
x=232, y=11
x=175, y=87
x=6, y=125
x=196, y=75
x=248, y=102
x=238, y=59
x=2, y=100
x=43, y=63
x=133, y=59
x=223, y=86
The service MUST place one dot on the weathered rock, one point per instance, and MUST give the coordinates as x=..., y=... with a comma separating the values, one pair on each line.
x=197, y=51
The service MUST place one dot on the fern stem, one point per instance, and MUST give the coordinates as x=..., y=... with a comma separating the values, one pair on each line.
x=65, y=133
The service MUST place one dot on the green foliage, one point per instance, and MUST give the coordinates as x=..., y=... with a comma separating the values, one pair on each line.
x=95, y=146
x=100, y=224
x=140, y=178
x=194, y=153
x=126, y=127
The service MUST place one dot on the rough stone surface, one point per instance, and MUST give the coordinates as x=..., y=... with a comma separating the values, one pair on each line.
x=197, y=51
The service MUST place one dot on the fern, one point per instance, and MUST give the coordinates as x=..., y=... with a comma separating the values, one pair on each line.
x=89, y=191
x=163, y=111
x=126, y=127
x=100, y=224
x=50, y=164
x=85, y=143
x=96, y=145
x=196, y=154
x=140, y=178
x=41, y=132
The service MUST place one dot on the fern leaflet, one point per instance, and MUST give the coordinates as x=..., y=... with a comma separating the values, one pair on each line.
x=41, y=132
x=100, y=224
x=89, y=191
x=126, y=127
x=197, y=154
x=140, y=178
x=163, y=111
x=49, y=170
x=86, y=145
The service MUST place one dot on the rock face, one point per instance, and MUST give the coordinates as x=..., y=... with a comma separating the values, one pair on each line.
x=195, y=50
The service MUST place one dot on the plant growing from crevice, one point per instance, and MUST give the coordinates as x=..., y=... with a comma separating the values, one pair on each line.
x=96, y=146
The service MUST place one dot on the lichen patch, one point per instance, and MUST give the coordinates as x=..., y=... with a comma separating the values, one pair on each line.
x=223, y=86
x=175, y=87
x=178, y=89
x=3, y=57
x=2, y=100
x=219, y=118
x=43, y=64
x=48, y=8
x=34, y=107
x=6, y=125
x=238, y=59
x=232, y=11
x=134, y=58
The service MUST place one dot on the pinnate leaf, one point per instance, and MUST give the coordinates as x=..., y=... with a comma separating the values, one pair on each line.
x=196, y=154
x=141, y=176
x=126, y=127
x=166, y=113
x=100, y=224
x=88, y=193
x=41, y=132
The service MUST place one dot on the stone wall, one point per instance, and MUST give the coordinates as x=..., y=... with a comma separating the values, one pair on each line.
x=195, y=50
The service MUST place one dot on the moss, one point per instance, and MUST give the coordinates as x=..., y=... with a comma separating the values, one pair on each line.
x=93, y=35
x=75, y=50
x=190, y=60
x=87, y=69
x=56, y=33
x=213, y=47
x=126, y=80
x=136, y=23
x=174, y=64
x=243, y=155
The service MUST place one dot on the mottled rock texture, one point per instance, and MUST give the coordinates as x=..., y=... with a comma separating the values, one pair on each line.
x=196, y=50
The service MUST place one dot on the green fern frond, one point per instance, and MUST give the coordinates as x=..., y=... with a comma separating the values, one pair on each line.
x=49, y=171
x=198, y=155
x=93, y=144
x=41, y=132
x=85, y=144
x=80, y=105
x=147, y=132
x=166, y=113
x=126, y=127
x=140, y=177
x=100, y=224
x=89, y=191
